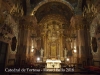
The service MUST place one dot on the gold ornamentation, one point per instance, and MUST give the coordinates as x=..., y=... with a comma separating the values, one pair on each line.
x=17, y=11
x=52, y=31
x=89, y=13
x=53, y=50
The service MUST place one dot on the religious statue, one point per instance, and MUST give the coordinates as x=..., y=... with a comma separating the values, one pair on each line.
x=53, y=32
x=65, y=51
x=42, y=52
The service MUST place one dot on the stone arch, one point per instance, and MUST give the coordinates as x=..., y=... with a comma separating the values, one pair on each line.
x=46, y=1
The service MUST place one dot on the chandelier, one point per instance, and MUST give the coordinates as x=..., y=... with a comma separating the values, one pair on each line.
x=89, y=12
x=17, y=11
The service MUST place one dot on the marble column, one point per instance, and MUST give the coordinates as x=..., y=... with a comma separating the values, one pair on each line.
x=88, y=46
x=81, y=44
x=22, y=46
x=29, y=45
x=83, y=49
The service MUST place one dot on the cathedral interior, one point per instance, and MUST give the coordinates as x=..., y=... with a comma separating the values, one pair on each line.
x=50, y=32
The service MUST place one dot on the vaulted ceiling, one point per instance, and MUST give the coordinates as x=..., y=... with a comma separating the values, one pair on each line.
x=53, y=8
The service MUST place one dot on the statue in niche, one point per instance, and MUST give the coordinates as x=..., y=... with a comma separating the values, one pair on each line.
x=42, y=52
x=65, y=51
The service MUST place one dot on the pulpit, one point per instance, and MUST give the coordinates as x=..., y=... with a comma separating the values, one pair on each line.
x=53, y=63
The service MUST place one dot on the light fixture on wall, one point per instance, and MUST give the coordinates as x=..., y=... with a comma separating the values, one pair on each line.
x=32, y=50
x=38, y=59
x=68, y=59
x=75, y=51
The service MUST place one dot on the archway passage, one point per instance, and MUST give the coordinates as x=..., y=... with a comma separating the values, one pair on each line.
x=53, y=20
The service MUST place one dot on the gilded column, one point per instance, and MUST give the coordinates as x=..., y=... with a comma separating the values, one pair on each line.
x=57, y=50
x=61, y=50
x=44, y=48
x=49, y=49
x=59, y=47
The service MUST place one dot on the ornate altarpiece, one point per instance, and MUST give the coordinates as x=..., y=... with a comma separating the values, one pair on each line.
x=52, y=35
